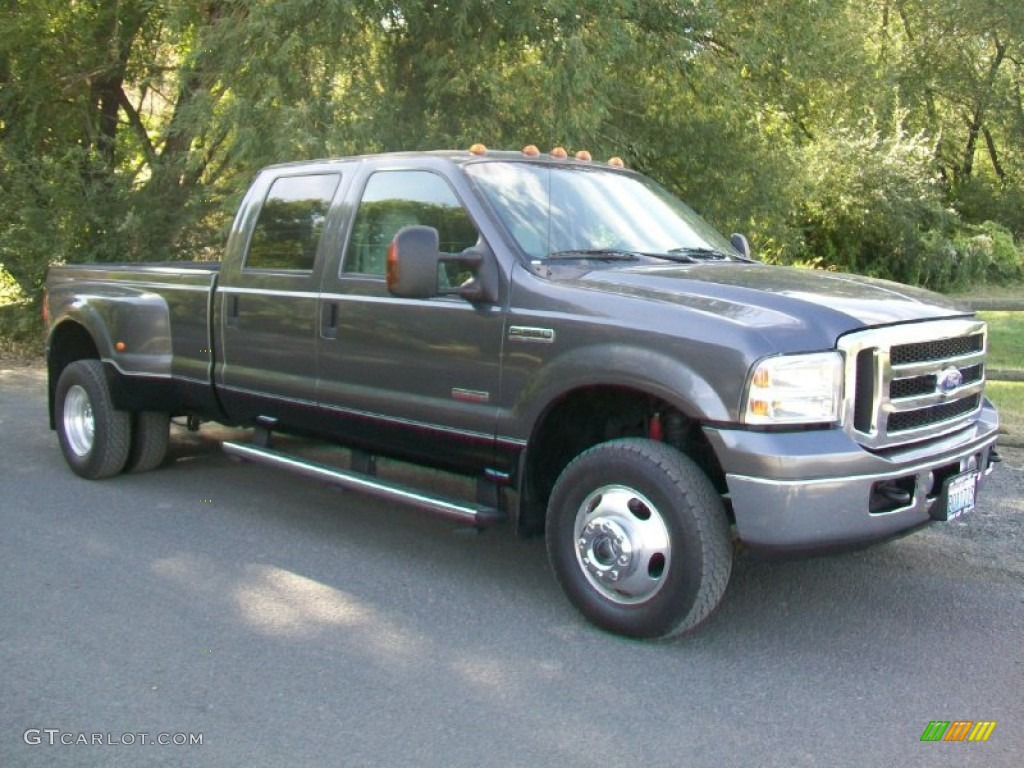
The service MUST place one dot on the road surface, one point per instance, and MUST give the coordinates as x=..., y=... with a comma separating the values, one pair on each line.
x=285, y=623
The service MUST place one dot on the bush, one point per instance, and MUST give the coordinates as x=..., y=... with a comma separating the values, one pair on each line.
x=979, y=200
x=20, y=324
x=872, y=205
x=987, y=254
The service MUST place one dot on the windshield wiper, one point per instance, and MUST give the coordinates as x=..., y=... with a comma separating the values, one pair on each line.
x=679, y=258
x=601, y=254
x=698, y=253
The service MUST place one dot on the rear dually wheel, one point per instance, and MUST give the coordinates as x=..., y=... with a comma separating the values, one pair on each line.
x=95, y=437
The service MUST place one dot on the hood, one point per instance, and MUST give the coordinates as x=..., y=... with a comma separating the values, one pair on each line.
x=768, y=296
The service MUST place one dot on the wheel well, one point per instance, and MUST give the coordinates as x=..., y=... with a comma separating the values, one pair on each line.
x=68, y=343
x=586, y=417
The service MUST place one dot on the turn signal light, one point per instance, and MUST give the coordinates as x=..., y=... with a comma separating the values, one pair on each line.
x=392, y=264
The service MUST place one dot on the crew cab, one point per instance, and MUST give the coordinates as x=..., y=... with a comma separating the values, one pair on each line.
x=611, y=371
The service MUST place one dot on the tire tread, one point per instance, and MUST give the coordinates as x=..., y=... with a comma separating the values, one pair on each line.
x=699, y=496
x=150, y=437
x=112, y=441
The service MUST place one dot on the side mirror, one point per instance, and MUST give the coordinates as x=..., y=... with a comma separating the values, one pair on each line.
x=414, y=258
x=741, y=244
x=483, y=285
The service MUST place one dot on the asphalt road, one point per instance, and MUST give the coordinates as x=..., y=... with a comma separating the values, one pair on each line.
x=286, y=623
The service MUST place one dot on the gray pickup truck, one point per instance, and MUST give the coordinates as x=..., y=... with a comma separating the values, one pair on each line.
x=610, y=370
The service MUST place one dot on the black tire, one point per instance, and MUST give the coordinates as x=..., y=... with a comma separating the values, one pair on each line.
x=639, y=539
x=94, y=436
x=151, y=431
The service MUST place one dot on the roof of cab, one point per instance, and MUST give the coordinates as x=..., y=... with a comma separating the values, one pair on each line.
x=460, y=157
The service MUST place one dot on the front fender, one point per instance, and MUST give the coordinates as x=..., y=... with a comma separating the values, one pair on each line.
x=617, y=365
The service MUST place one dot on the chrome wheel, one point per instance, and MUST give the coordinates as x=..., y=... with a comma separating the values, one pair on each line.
x=622, y=544
x=79, y=423
x=95, y=437
x=638, y=538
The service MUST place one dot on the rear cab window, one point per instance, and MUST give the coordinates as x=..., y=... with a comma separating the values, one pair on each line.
x=291, y=223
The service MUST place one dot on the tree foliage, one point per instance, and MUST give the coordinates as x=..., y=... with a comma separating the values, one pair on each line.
x=881, y=136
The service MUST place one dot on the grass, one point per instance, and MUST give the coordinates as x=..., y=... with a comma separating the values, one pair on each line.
x=1006, y=352
x=1008, y=397
x=1005, y=339
x=1007, y=291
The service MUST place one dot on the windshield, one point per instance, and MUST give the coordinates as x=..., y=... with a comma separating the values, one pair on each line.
x=557, y=211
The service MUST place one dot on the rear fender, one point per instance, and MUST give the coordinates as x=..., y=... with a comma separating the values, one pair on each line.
x=129, y=327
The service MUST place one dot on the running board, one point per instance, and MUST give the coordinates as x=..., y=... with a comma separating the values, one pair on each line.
x=452, y=509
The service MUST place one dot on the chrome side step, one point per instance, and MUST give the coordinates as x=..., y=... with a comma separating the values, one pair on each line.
x=459, y=511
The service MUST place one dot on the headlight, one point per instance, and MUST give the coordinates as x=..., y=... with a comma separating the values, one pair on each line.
x=795, y=389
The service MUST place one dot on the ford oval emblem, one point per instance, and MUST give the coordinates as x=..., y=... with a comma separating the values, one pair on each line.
x=949, y=380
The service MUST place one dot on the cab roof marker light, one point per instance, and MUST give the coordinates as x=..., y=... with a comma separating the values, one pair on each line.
x=616, y=162
x=530, y=150
x=559, y=153
x=584, y=156
x=478, y=149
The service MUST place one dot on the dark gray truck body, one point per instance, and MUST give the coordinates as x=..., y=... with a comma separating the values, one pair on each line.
x=557, y=356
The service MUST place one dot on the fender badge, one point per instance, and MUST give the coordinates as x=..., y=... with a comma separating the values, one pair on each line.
x=528, y=334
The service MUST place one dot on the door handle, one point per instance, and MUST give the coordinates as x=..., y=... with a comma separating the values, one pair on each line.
x=328, y=320
x=231, y=321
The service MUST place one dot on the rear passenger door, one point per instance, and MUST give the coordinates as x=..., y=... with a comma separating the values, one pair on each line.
x=267, y=302
x=418, y=377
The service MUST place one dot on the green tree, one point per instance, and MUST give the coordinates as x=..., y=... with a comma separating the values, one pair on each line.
x=878, y=135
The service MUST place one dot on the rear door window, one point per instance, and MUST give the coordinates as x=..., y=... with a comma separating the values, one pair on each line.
x=291, y=222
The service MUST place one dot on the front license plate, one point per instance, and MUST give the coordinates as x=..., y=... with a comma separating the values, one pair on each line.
x=960, y=494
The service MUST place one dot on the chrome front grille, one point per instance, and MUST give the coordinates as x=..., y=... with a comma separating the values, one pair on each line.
x=923, y=351
x=912, y=382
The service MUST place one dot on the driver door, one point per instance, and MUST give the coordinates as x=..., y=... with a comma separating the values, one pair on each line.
x=417, y=377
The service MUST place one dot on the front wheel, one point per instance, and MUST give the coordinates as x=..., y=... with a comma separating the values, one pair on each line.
x=639, y=539
x=94, y=436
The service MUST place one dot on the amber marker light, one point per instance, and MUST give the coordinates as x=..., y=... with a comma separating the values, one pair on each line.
x=616, y=162
x=559, y=153
x=762, y=378
x=392, y=264
x=120, y=346
x=584, y=156
x=530, y=150
x=478, y=149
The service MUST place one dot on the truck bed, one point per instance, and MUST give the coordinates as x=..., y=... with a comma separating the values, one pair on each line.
x=130, y=310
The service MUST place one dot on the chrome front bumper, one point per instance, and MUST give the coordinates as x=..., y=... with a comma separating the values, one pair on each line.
x=804, y=491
